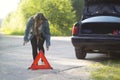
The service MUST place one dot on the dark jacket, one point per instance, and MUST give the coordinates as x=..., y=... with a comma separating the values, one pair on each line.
x=29, y=31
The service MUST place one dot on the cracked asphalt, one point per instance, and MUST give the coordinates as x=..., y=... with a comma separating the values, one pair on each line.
x=16, y=58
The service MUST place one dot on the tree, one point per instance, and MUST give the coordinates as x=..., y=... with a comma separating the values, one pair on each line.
x=77, y=6
x=59, y=13
x=13, y=24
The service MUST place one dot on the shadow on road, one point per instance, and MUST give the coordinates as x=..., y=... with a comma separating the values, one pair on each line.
x=97, y=57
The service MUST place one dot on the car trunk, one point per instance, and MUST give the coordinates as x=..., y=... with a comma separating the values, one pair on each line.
x=101, y=28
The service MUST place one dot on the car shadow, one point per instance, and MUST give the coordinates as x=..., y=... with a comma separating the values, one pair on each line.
x=97, y=57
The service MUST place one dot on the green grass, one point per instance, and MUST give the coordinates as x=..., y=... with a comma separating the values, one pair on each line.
x=108, y=70
x=17, y=33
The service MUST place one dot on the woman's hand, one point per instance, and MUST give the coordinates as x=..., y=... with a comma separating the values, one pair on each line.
x=47, y=47
x=25, y=42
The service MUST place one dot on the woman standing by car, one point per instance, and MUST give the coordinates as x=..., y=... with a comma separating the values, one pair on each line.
x=37, y=31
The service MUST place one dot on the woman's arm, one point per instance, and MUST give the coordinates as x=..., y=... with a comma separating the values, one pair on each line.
x=29, y=25
x=47, y=34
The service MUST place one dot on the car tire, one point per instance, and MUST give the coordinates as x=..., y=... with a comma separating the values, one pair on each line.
x=80, y=53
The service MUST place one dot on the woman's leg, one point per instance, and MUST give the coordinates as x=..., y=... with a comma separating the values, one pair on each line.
x=34, y=47
x=40, y=45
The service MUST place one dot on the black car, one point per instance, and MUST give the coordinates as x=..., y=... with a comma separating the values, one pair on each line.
x=99, y=28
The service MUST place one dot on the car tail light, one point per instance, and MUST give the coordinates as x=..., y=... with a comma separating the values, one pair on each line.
x=74, y=30
x=115, y=32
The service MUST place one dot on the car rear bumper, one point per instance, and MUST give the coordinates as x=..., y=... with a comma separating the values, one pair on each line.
x=97, y=42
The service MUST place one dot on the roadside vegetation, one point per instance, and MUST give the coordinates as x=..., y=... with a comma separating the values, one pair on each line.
x=107, y=70
x=62, y=14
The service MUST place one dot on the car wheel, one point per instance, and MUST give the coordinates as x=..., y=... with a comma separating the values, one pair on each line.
x=80, y=53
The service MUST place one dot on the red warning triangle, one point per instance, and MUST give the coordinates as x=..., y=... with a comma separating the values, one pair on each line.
x=35, y=65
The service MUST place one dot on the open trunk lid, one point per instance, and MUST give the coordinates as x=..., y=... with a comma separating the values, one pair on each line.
x=101, y=7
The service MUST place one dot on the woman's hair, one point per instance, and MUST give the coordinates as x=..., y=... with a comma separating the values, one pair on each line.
x=37, y=18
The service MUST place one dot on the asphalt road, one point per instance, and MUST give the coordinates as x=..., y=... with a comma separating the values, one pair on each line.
x=16, y=58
